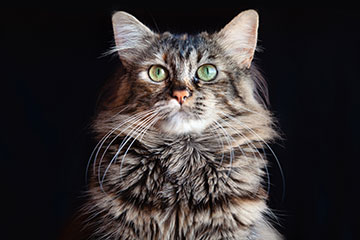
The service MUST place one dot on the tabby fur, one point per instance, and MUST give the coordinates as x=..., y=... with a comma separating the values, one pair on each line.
x=163, y=170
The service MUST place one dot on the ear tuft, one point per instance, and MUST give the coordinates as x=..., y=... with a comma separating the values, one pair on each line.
x=239, y=37
x=129, y=34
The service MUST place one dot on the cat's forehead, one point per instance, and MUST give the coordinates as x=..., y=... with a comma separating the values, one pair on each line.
x=181, y=48
x=183, y=44
x=183, y=40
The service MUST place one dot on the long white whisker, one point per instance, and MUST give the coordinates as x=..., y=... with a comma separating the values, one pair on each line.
x=257, y=113
x=143, y=125
x=138, y=119
x=231, y=148
x=108, y=135
x=276, y=159
x=267, y=145
x=104, y=139
x=97, y=145
x=146, y=126
x=139, y=126
x=225, y=137
x=152, y=124
x=221, y=141
x=254, y=148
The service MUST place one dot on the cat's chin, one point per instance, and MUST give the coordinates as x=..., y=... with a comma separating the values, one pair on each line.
x=180, y=122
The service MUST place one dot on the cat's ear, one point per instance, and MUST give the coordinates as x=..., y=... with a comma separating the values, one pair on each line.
x=239, y=37
x=130, y=35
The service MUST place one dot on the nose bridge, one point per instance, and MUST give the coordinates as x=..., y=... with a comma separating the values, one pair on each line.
x=181, y=86
x=182, y=79
x=178, y=87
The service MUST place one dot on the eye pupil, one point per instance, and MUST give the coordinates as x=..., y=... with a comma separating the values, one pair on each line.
x=157, y=73
x=207, y=72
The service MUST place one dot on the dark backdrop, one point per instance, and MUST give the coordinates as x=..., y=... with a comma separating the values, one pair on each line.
x=52, y=71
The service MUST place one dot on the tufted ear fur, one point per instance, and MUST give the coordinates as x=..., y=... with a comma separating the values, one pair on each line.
x=239, y=37
x=130, y=35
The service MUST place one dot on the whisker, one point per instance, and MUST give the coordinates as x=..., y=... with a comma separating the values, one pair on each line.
x=140, y=125
x=231, y=148
x=221, y=141
x=157, y=119
x=256, y=149
x=267, y=145
x=97, y=145
x=144, y=125
x=104, y=139
x=257, y=113
x=138, y=119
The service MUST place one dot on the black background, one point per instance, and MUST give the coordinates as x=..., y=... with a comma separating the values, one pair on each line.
x=52, y=71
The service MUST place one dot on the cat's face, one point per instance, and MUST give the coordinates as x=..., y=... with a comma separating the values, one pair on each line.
x=184, y=76
x=185, y=82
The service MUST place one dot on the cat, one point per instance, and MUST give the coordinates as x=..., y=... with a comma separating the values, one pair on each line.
x=181, y=129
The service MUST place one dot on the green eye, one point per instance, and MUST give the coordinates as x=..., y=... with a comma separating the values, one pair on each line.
x=206, y=72
x=157, y=73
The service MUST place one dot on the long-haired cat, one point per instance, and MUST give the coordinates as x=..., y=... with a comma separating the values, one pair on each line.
x=180, y=132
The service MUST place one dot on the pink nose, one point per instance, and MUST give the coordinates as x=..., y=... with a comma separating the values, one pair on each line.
x=181, y=95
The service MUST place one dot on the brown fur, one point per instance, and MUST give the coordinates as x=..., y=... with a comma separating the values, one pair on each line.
x=163, y=175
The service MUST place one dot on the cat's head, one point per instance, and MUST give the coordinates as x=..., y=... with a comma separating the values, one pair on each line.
x=187, y=81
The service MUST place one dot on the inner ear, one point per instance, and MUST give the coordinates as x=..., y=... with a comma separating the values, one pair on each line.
x=130, y=35
x=239, y=37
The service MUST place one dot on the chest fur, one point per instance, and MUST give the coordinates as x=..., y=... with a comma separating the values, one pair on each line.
x=166, y=173
x=182, y=188
x=179, y=170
